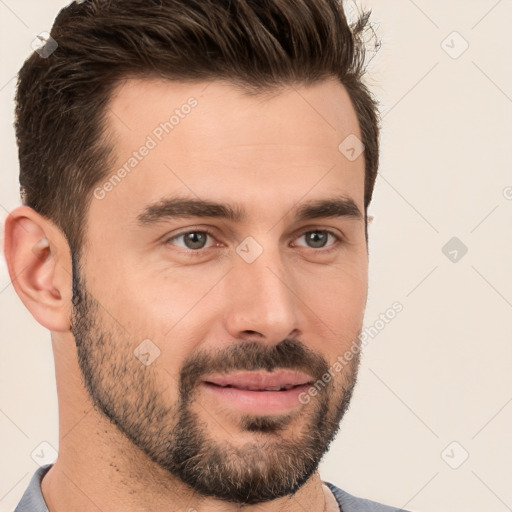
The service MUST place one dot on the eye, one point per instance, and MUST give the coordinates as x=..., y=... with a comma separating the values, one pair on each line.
x=195, y=241
x=192, y=240
x=317, y=239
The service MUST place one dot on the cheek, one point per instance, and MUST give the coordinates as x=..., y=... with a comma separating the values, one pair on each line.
x=165, y=308
x=339, y=289
x=149, y=303
x=165, y=304
x=339, y=304
x=335, y=302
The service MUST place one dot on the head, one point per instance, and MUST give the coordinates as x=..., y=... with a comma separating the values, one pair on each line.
x=235, y=122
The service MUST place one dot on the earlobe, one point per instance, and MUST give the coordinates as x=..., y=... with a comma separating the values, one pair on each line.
x=38, y=261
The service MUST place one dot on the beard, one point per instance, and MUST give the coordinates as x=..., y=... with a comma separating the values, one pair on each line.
x=174, y=436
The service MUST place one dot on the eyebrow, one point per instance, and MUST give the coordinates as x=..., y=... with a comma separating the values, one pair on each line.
x=177, y=207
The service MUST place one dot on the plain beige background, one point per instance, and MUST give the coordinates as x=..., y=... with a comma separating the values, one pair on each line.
x=430, y=421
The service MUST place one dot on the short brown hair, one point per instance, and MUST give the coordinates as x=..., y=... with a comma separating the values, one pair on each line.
x=61, y=100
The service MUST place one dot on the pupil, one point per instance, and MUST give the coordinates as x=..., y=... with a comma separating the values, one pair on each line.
x=318, y=238
x=195, y=240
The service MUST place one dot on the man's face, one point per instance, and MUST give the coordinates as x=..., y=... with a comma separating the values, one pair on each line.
x=179, y=309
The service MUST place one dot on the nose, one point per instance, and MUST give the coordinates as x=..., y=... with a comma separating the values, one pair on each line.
x=261, y=299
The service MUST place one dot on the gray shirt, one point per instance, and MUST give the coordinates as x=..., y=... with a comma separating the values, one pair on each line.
x=33, y=501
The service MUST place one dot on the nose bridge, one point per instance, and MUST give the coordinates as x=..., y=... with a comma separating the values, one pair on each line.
x=261, y=295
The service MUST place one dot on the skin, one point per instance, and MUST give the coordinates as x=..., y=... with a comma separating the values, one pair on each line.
x=267, y=153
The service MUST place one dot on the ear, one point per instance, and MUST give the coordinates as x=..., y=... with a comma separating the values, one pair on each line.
x=39, y=263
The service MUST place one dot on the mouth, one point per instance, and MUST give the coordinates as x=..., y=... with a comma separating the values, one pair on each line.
x=261, y=381
x=255, y=388
x=258, y=392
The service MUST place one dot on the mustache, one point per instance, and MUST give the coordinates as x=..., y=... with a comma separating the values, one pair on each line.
x=251, y=356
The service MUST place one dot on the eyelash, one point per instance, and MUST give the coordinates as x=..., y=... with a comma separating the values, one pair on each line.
x=200, y=252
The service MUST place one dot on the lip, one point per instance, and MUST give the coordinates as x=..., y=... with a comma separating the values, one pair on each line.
x=260, y=380
x=232, y=390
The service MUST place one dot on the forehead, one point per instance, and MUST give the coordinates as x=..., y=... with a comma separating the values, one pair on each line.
x=139, y=104
x=212, y=140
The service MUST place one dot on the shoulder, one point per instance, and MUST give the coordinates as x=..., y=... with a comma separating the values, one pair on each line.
x=32, y=500
x=349, y=503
